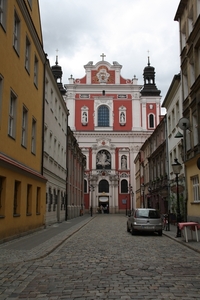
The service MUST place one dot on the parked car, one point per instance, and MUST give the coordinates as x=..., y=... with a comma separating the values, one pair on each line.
x=144, y=219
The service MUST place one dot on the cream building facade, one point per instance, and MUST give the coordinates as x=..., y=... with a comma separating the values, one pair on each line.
x=188, y=17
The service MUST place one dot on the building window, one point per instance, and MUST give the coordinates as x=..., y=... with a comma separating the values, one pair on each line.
x=151, y=121
x=33, y=137
x=16, y=33
x=85, y=186
x=24, y=126
x=38, y=197
x=3, y=13
x=12, y=115
x=195, y=128
x=124, y=186
x=103, y=186
x=103, y=116
x=30, y=3
x=2, y=195
x=195, y=187
x=27, y=54
x=16, y=206
x=36, y=71
x=28, y=199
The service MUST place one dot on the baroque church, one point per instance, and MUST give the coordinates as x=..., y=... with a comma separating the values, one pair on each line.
x=111, y=117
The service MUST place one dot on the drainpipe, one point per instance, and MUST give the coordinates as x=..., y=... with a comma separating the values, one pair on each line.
x=43, y=115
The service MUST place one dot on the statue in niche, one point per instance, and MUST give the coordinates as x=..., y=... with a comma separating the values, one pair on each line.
x=103, y=158
x=122, y=118
x=103, y=76
x=84, y=118
x=123, y=162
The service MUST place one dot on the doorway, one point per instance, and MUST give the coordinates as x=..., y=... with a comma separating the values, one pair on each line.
x=104, y=205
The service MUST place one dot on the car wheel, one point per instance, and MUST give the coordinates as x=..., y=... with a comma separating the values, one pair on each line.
x=160, y=232
x=132, y=230
x=128, y=229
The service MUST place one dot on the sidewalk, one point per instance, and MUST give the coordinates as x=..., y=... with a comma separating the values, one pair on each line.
x=41, y=243
x=192, y=243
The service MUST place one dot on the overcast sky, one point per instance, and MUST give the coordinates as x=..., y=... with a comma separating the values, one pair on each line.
x=81, y=30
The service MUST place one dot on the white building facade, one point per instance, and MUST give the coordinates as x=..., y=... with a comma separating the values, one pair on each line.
x=111, y=117
x=55, y=139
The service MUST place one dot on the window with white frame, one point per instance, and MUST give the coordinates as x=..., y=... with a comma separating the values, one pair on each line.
x=198, y=7
x=195, y=128
x=27, y=54
x=151, y=121
x=195, y=187
x=12, y=115
x=36, y=71
x=33, y=136
x=190, y=25
x=183, y=36
x=24, y=126
x=3, y=13
x=30, y=3
x=124, y=186
x=16, y=32
x=185, y=85
x=103, y=116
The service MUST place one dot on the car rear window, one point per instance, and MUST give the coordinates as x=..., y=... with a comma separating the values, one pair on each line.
x=146, y=213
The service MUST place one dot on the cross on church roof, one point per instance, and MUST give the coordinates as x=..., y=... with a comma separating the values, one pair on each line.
x=103, y=55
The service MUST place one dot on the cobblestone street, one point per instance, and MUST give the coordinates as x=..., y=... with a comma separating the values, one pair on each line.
x=103, y=261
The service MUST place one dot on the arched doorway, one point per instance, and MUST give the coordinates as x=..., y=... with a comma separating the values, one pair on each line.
x=104, y=198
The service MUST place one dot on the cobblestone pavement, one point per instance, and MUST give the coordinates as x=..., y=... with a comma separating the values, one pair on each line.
x=103, y=261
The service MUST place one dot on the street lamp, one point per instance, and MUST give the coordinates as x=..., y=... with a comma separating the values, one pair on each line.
x=142, y=188
x=177, y=169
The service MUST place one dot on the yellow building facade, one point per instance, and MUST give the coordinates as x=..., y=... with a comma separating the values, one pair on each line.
x=22, y=185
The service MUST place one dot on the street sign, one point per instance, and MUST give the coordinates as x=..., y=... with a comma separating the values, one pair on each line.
x=180, y=188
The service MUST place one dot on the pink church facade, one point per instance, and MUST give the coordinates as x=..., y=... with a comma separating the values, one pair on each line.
x=111, y=117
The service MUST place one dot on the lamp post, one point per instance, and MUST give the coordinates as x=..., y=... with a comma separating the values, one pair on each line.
x=142, y=189
x=91, y=207
x=177, y=169
x=131, y=194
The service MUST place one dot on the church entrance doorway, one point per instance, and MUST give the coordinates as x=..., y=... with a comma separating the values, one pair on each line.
x=104, y=204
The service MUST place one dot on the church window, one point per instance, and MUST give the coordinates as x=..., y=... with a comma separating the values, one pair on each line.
x=124, y=186
x=151, y=121
x=103, y=186
x=103, y=116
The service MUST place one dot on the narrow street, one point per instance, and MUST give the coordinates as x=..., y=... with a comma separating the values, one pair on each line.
x=103, y=261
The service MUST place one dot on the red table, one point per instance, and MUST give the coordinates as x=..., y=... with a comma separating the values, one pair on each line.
x=193, y=226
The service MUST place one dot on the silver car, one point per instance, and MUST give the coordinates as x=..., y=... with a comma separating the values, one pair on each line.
x=144, y=219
